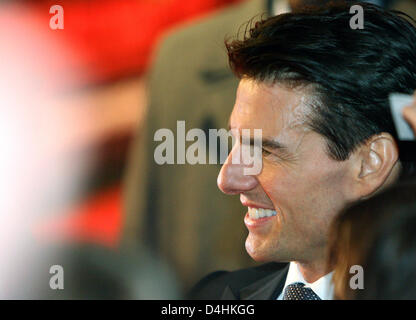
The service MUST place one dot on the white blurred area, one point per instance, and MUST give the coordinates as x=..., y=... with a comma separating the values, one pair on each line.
x=37, y=129
x=47, y=130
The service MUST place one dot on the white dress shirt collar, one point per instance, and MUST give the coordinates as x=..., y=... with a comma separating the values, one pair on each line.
x=323, y=287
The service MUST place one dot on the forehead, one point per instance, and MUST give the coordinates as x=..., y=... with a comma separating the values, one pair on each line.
x=273, y=108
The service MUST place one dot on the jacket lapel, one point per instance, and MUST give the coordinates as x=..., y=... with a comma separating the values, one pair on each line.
x=267, y=288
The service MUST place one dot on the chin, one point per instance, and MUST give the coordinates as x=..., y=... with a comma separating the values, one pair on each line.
x=256, y=252
x=261, y=250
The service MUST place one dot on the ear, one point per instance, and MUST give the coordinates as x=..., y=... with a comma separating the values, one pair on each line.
x=376, y=159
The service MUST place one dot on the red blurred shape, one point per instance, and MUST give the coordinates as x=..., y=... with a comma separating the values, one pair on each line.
x=97, y=221
x=115, y=38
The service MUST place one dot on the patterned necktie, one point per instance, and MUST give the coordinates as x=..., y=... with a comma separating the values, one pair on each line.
x=297, y=291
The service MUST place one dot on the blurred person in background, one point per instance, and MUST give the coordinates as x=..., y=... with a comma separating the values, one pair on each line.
x=45, y=169
x=177, y=209
x=377, y=234
x=321, y=98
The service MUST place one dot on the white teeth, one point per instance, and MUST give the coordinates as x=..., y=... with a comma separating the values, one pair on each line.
x=256, y=213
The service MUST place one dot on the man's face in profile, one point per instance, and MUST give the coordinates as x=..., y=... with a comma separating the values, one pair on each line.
x=299, y=181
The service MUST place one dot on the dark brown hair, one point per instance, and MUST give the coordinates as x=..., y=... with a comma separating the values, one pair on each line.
x=351, y=72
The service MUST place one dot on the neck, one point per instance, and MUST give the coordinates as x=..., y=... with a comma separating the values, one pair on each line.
x=312, y=271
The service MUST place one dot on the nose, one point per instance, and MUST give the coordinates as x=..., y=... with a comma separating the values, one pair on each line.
x=231, y=179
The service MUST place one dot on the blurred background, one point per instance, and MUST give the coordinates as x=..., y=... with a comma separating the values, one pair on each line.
x=79, y=107
x=73, y=105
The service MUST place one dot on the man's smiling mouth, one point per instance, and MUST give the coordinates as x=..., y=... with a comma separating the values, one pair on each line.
x=257, y=213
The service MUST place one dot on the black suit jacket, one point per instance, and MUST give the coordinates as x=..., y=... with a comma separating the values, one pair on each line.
x=264, y=282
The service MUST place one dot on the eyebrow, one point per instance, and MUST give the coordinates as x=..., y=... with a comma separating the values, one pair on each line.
x=268, y=143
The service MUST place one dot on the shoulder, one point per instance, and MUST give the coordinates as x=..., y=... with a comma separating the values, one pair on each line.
x=213, y=285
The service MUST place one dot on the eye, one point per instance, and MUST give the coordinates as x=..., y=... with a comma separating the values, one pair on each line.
x=265, y=152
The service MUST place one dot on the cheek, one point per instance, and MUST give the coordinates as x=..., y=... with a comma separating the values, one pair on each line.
x=314, y=189
x=285, y=190
x=321, y=173
x=322, y=194
x=280, y=181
